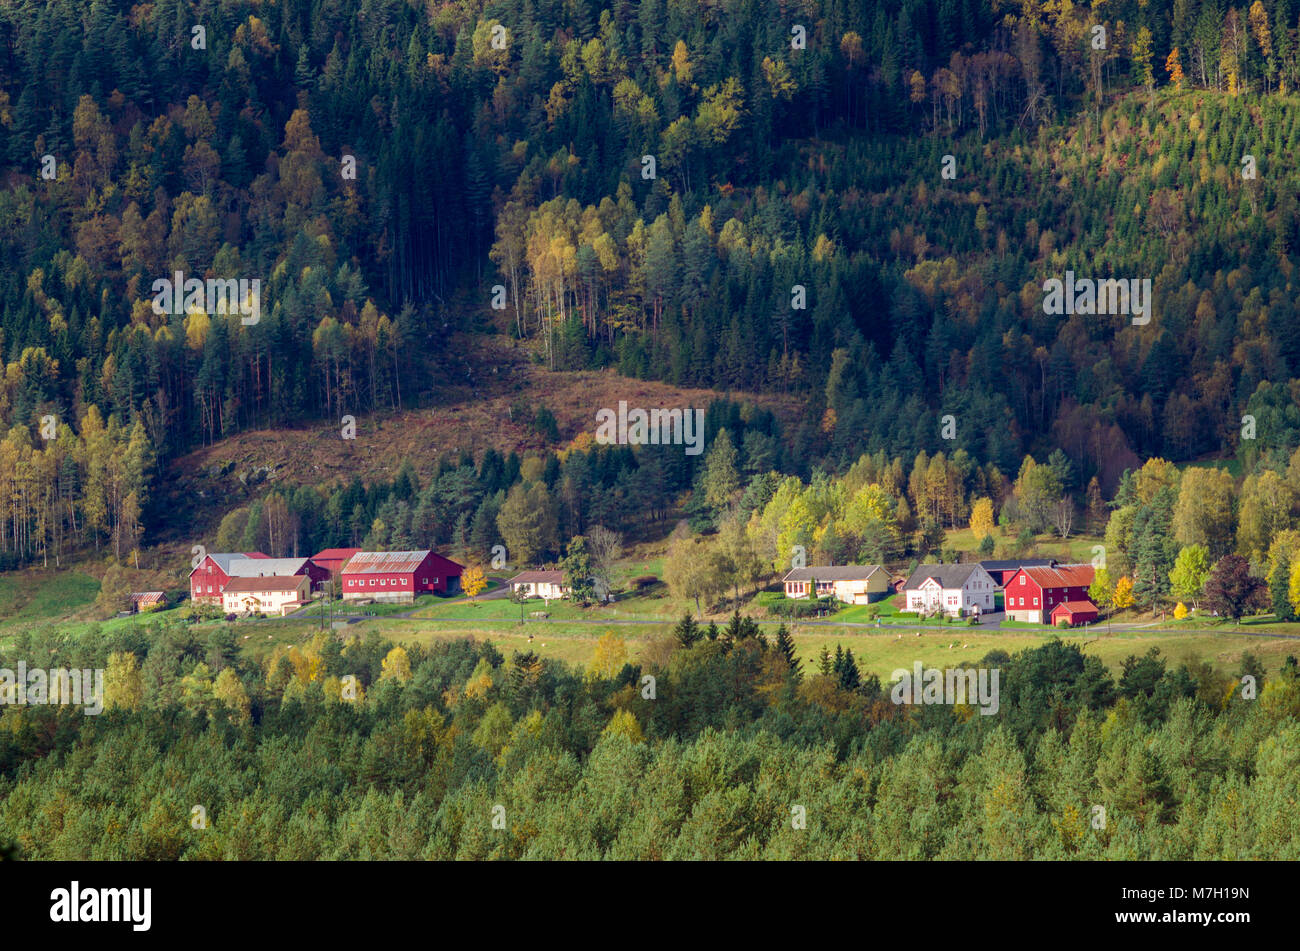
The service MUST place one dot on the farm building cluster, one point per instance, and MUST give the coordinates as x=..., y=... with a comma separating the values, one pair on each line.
x=1038, y=591
x=255, y=583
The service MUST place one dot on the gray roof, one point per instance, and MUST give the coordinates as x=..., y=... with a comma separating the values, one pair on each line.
x=832, y=573
x=264, y=567
x=1008, y=564
x=948, y=576
x=224, y=558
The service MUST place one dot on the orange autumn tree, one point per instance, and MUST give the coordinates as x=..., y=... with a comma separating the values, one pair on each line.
x=1123, y=596
x=473, y=580
x=1174, y=67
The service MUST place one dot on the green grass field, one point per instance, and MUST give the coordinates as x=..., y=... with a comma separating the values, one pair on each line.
x=881, y=654
x=1076, y=548
x=35, y=596
x=1233, y=465
x=653, y=608
x=878, y=652
x=575, y=645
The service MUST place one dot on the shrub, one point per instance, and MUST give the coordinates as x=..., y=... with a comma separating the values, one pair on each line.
x=794, y=608
x=199, y=611
x=545, y=424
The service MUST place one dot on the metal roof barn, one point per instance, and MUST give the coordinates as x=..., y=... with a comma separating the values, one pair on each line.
x=385, y=562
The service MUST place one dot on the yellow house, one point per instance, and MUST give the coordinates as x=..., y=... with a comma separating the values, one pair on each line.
x=852, y=584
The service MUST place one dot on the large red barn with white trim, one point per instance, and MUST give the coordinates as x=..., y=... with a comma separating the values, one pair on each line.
x=399, y=575
x=1032, y=594
x=208, y=580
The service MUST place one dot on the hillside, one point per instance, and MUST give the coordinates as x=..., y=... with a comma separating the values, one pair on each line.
x=947, y=282
x=855, y=226
x=489, y=412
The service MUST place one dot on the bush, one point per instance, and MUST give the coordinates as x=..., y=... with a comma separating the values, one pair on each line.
x=114, y=592
x=199, y=611
x=542, y=421
x=793, y=608
x=545, y=424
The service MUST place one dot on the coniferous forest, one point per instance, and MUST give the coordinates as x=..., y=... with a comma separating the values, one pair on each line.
x=585, y=767
x=835, y=216
x=475, y=167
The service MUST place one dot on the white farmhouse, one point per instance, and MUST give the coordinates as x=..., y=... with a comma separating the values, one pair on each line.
x=956, y=590
x=269, y=595
x=540, y=584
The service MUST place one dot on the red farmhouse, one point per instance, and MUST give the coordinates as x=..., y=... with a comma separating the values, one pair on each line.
x=208, y=580
x=333, y=559
x=398, y=575
x=1032, y=593
x=1074, y=613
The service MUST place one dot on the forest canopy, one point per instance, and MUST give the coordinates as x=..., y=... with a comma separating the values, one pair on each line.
x=380, y=166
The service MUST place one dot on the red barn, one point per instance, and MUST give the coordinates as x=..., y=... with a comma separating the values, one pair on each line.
x=1031, y=594
x=1074, y=613
x=399, y=575
x=208, y=580
x=1003, y=569
x=333, y=559
x=278, y=568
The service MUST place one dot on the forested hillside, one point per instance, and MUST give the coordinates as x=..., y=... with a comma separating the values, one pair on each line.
x=798, y=159
x=825, y=224
x=457, y=752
